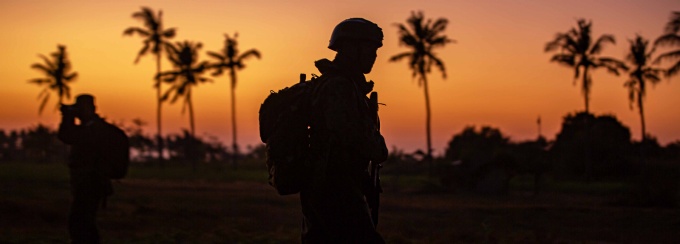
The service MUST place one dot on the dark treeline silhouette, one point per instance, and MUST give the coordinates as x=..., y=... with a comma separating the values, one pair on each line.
x=578, y=50
x=36, y=144
x=484, y=160
x=40, y=144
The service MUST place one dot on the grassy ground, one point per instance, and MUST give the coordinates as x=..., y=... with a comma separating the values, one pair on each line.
x=214, y=205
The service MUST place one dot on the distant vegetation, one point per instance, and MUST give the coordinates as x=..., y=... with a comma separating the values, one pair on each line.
x=476, y=160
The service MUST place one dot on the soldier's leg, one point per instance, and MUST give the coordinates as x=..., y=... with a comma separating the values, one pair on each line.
x=87, y=196
x=340, y=216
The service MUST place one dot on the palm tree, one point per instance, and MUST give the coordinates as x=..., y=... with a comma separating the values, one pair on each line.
x=155, y=39
x=578, y=51
x=231, y=59
x=639, y=56
x=422, y=38
x=57, y=74
x=187, y=74
x=671, y=37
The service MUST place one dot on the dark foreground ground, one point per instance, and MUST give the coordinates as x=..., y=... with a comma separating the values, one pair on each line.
x=211, y=206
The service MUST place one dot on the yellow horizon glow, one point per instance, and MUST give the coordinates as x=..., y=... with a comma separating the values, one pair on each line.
x=498, y=74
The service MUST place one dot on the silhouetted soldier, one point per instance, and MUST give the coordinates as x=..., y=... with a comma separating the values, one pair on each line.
x=89, y=185
x=344, y=138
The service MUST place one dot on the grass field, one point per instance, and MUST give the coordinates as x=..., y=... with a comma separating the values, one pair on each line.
x=213, y=205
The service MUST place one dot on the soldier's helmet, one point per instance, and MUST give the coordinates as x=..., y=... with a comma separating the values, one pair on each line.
x=358, y=29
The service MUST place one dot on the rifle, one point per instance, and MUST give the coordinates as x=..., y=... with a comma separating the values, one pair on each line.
x=373, y=196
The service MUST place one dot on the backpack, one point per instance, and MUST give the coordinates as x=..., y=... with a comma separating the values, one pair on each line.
x=115, y=153
x=284, y=128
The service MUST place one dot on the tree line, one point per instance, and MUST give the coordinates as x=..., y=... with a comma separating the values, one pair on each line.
x=40, y=144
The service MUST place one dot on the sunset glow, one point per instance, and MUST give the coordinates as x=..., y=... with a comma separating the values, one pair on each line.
x=498, y=74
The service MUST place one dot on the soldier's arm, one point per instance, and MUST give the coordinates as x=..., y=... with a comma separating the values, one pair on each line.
x=69, y=133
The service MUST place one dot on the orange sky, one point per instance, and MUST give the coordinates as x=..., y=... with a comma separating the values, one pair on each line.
x=498, y=73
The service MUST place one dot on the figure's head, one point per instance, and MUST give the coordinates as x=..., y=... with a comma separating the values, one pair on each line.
x=84, y=106
x=360, y=38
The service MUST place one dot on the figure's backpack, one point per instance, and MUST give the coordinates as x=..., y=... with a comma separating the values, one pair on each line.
x=284, y=128
x=116, y=152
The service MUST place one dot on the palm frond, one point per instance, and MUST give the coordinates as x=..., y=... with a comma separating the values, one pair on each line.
x=67, y=92
x=673, y=25
x=670, y=39
x=39, y=81
x=132, y=30
x=406, y=36
x=554, y=44
x=673, y=70
x=250, y=53
x=165, y=95
x=652, y=77
x=46, y=98
x=440, y=41
x=169, y=33
x=673, y=56
x=71, y=77
x=50, y=65
x=142, y=51
x=216, y=56
x=565, y=59
x=400, y=56
x=613, y=66
x=601, y=41
x=45, y=70
x=437, y=62
x=409, y=40
x=437, y=27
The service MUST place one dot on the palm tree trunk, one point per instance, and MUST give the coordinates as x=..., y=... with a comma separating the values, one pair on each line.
x=586, y=89
x=643, y=139
x=642, y=116
x=427, y=124
x=234, y=145
x=192, y=145
x=586, y=94
x=159, y=138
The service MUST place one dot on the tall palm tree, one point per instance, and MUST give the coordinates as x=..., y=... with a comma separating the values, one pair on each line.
x=422, y=38
x=187, y=73
x=671, y=37
x=57, y=76
x=642, y=73
x=577, y=50
x=155, y=39
x=231, y=59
